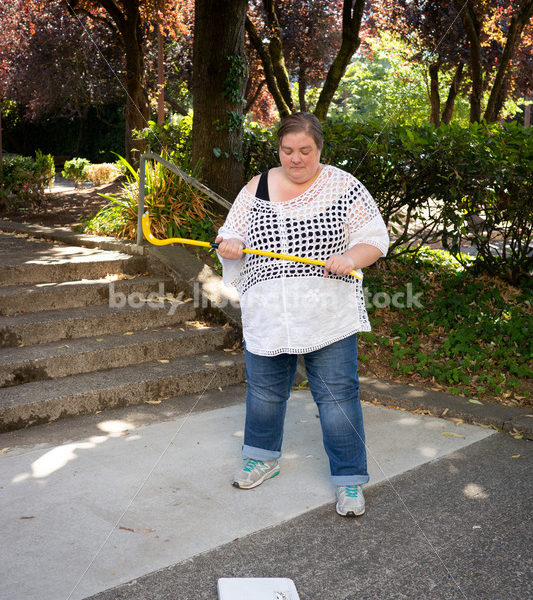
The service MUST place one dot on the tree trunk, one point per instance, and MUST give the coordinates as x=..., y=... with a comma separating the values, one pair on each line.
x=160, y=79
x=434, y=96
x=266, y=61
x=472, y=29
x=219, y=78
x=500, y=85
x=1, y=151
x=137, y=110
x=351, y=23
x=447, y=113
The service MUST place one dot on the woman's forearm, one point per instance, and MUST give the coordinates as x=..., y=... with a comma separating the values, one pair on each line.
x=363, y=255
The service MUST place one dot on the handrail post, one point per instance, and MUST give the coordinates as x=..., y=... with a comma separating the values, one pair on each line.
x=140, y=208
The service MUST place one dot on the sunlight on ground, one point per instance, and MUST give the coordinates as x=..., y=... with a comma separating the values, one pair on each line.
x=115, y=426
x=428, y=451
x=57, y=458
x=408, y=421
x=474, y=491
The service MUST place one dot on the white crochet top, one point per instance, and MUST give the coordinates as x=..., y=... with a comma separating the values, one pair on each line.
x=290, y=307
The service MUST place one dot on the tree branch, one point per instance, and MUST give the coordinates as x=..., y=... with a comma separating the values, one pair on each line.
x=115, y=13
x=109, y=24
x=176, y=106
x=500, y=85
x=472, y=28
x=272, y=83
x=275, y=49
x=352, y=14
x=452, y=94
x=254, y=98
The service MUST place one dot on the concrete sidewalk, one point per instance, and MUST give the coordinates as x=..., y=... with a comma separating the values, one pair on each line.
x=95, y=502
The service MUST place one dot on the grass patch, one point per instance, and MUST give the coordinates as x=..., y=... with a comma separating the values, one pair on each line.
x=471, y=335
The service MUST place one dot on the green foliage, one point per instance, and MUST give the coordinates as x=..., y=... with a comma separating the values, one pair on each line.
x=459, y=186
x=390, y=86
x=24, y=179
x=175, y=136
x=259, y=149
x=45, y=167
x=76, y=170
x=233, y=84
x=176, y=209
x=14, y=169
x=473, y=334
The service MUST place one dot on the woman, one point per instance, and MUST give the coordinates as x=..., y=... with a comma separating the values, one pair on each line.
x=317, y=211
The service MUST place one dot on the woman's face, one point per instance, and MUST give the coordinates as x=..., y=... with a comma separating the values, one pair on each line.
x=299, y=156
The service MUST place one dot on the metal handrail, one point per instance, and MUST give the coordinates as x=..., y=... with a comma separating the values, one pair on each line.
x=175, y=169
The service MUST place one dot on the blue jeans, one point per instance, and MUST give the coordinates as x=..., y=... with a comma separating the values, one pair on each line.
x=332, y=375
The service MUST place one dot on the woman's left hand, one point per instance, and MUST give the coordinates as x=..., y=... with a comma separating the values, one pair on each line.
x=339, y=264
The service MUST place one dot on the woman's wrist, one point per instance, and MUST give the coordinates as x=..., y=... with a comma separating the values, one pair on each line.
x=352, y=261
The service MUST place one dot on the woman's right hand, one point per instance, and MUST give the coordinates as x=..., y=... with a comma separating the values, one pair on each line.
x=230, y=248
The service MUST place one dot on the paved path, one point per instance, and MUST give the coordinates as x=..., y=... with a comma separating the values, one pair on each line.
x=116, y=498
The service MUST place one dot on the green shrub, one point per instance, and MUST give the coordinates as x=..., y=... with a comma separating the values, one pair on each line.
x=76, y=170
x=173, y=137
x=13, y=168
x=45, y=168
x=454, y=185
x=24, y=179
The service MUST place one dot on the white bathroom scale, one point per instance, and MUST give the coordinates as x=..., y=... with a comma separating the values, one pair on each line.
x=257, y=588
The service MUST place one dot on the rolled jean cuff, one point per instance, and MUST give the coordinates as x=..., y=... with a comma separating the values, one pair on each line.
x=259, y=453
x=349, y=479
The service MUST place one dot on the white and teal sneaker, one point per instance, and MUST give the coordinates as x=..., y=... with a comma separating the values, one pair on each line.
x=254, y=472
x=350, y=500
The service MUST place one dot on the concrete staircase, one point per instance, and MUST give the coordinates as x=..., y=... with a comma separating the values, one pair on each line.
x=84, y=330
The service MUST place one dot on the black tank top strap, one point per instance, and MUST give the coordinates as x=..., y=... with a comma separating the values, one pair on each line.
x=262, y=188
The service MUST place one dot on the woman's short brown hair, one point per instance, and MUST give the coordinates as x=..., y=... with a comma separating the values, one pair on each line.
x=298, y=122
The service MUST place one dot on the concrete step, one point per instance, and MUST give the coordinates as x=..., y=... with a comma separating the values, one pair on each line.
x=83, y=355
x=65, y=263
x=46, y=401
x=49, y=326
x=36, y=297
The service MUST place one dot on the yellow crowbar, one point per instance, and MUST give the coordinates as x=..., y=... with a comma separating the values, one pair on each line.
x=310, y=261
